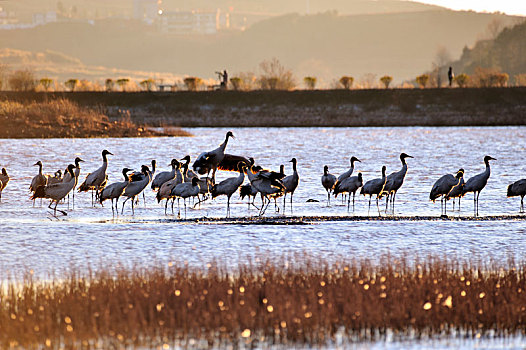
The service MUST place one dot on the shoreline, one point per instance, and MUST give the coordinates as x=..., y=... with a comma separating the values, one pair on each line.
x=304, y=108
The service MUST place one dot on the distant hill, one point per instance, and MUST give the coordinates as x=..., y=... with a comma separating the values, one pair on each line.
x=325, y=45
x=507, y=52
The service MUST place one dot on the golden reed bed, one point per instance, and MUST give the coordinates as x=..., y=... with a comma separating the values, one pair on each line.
x=274, y=302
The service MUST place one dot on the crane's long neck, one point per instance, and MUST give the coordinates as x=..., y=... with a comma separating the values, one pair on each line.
x=126, y=178
x=40, y=169
x=487, y=172
x=325, y=172
x=294, y=167
x=223, y=145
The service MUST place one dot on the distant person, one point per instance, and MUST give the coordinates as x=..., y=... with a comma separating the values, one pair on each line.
x=224, y=83
x=450, y=76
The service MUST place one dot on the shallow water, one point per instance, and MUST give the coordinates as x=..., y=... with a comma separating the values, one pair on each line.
x=31, y=239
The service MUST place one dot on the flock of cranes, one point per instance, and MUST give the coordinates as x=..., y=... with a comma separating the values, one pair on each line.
x=181, y=182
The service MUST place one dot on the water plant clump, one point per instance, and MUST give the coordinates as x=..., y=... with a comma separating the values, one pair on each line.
x=279, y=302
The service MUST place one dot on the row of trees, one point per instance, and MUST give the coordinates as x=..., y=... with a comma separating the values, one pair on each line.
x=483, y=77
x=274, y=76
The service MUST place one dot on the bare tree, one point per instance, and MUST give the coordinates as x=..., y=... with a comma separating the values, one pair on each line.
x=22, y=80
x=3, y=74
x=368, y=81
x=275, y=76
x=123, y=82
x=442, y=59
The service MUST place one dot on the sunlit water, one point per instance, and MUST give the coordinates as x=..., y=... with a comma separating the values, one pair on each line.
x=31, y=239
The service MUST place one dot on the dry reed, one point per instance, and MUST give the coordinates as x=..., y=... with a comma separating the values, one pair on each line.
x=63, y=118
x=271, y=302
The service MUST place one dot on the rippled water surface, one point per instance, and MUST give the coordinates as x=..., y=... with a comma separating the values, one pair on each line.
x=31, y=238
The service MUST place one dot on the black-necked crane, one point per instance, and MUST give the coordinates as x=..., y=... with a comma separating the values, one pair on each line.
x=229, y=186
x=518, y=188
x=443, y=186
x=96, y=180
x=291, y=183
x=138, y=183
x=114, y=191
x=55, y=178
x=56, y=192
x=248, y=191
x=189, y=172
x=186, y=190
x=165, y=176
x=4, y=179
x=165, y=191
x=376, y=187
x=328, y=181
x=347, y=173
x=349, y=185
x=268, y=183
x=209, y=161
x=394, y=181
x=67, y=176
x=38, y=180
x=477, y=183
x=456, y=191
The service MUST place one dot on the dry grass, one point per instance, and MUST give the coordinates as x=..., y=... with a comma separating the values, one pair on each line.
x=64, y=118
x=272, y=302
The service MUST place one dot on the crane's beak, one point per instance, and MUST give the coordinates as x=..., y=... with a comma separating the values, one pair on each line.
x=81, y=160
x=358, y=160
x=492, y=158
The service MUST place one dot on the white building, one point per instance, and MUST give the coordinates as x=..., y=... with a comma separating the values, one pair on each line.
x=189, y=22
x=146, y=10
x=44, y=18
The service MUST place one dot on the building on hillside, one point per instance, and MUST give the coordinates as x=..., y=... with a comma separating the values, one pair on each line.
x=44, y=18
x=189, y=22
x=146, y=10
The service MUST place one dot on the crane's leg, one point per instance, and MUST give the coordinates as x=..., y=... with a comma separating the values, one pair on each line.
x=291, y=195
x=348, y=203
x=112, y=208
x=144, y=199
x=166, y=206
x=445, y=207
x=378, y=206
x=478, y=196
x=184, y=201
x=522, y=204
x=73, y=195
x=474, y=203
x=228, y=206
x=353, y=194
x=459, y=204
x=92, y=203
x=284, y=203
x=122, y=211
x=368, y=211
x=386, y=202
x=133, y=206
x=328, y=198
x=453, y=204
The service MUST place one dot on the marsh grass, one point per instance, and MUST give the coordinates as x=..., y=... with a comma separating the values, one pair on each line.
x=273, y=302
x=63, y=118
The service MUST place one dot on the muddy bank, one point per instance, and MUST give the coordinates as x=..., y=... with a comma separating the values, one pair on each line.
x=324, y=108
x=62, y=118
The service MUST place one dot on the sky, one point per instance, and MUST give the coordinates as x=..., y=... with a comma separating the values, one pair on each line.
x=511, y=7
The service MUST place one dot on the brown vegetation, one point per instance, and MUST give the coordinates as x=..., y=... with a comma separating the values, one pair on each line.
x=275, y=302
x=63, y=118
